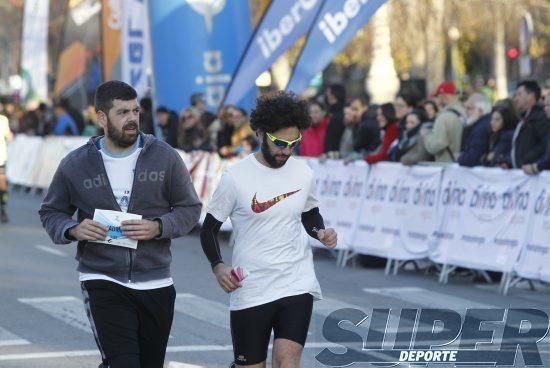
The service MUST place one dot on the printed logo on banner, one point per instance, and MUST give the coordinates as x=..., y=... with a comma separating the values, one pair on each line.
x=334, y=24
x=213, y=80
x=398, y=214
x=535, y=254
x=208, y=9
x=485, y=218
x=270, y=39
x=482, y=337
x=201, y=46
x=284, y=22
x=136, y=53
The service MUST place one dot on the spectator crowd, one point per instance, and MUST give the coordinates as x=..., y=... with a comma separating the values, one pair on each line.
x=445, y=127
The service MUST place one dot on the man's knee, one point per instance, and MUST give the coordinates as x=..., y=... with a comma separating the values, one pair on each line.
x=286, y=354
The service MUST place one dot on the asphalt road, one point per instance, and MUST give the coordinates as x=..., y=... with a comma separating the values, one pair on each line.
x=42, y=321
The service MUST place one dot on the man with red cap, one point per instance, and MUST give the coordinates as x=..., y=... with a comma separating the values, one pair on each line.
x=444, y=140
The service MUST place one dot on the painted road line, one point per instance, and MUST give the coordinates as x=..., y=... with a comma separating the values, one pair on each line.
x=8, y=338
x=67, y=309
x=170, y=349
x=183, y=365
x=203, y=309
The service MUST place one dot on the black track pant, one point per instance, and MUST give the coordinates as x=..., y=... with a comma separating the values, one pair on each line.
x=131, y=327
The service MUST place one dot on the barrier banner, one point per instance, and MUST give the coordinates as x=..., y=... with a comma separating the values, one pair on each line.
x=399, y=211
x=335, y=27
x=534, y=260
x=485, y=214
x=196, y=46
x=339, y=191
x=136, y=46
x=34, y=50
x=481, y=218
x=284, y=22
x=24, y=159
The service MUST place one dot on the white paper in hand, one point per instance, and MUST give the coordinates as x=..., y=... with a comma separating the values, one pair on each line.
x=113, y=219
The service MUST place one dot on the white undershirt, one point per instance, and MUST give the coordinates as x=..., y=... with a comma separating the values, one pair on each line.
x=120, y=171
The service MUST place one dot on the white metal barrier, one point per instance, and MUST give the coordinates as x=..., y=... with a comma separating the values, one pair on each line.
x=481, y=218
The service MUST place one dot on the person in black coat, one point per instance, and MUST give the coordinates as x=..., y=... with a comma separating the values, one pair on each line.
x=335, y=97
x=168, y=121
x=475, y=138
x=531, y=134
x=367, y=136
x=544, y=162
x=146, y=124
x=502, y=126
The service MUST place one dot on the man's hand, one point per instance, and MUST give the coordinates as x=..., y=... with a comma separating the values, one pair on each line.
x=530, y=169
x=89, y=230
x=140, y=229
x=328, y=237
x=226, y=281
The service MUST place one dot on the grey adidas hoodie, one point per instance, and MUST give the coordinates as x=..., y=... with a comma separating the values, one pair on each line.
x=162, y=189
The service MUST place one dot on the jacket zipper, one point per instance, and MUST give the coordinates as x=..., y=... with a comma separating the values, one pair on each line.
x=130, y=201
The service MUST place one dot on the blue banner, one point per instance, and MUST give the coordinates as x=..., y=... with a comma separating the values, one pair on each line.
x=285, y=22
x=334, y=28
x=196, y=47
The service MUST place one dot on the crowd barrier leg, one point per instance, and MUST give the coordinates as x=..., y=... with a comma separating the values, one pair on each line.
x=340, y=257
x=511, y=280
x=396, y=264
x=504, y=282
x=389, y=263
x=485, y=275
x=345, y=256
x=446, y=270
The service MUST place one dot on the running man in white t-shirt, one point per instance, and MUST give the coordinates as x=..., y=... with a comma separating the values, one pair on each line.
x=270, y=198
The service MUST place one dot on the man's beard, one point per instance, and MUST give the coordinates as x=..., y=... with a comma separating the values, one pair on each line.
x=277, y=160
x=120, y=138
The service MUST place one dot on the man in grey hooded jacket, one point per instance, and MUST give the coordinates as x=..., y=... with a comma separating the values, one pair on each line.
x=128, y=293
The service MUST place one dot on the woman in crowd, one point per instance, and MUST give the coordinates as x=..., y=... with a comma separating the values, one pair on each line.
x=388, y=131
x=502, y=127
x=409, y=138
x=313, y=138
x=405, y=102
x=431, y=109
x=192, y=135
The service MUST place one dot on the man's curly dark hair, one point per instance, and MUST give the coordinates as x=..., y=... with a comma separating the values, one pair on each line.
x=280, y=110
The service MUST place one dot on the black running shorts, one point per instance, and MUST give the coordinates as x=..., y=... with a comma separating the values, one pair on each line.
x=251, y=328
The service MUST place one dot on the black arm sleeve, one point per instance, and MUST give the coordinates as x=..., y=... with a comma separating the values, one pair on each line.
x=209, y=240
x=311, y=220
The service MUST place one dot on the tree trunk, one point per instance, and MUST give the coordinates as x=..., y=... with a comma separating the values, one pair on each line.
x=382, y=82
x=500, y=53
x=435, y=45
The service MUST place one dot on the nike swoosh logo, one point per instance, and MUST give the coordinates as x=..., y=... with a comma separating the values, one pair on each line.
x=259, y=207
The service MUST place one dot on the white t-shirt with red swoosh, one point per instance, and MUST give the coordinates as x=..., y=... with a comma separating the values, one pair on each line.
x=265, y=207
